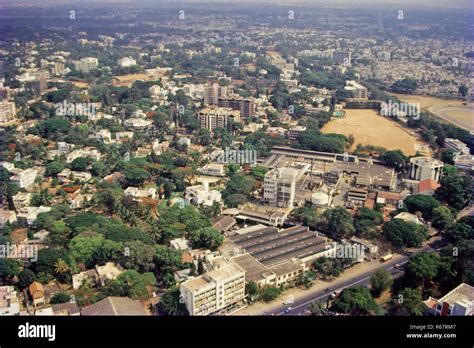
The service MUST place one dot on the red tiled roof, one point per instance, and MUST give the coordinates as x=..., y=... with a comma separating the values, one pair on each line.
x=427, y=185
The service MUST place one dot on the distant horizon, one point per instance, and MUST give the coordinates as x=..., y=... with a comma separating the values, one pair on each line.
x=454, y=4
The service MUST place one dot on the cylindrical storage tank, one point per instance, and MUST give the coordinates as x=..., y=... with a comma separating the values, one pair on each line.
x=320, y=199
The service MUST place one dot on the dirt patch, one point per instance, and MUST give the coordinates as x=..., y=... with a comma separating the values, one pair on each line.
x=369, y=128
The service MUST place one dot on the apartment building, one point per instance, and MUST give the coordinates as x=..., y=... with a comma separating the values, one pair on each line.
x=126, y=62
x=294, y=132
x=137, y=193
x=21, y=200
x=7, y=111
x=244, y=105
x=214, y=291
x=280, y=185
x=7, y=217
x=213, y=169
x=358, y=91
x=86, y=64
x=422, y=168
x=87, y=153
x=213, y=92
x=24, y=178
x=215, y=117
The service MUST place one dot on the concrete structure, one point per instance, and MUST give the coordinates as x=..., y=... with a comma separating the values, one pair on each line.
x=126, y=62
x=215, y=117
x=7, y=111
x=358, y=91
x=200, y=194
x=24, y=178
x=86, y=153
x=213, y=169
x=422, y=168
x=244, y=105
x=456, y=145
x=7, y=217
x=294, y=132
x=137, y=193
x=68, y=174
x=9, y=304
x=217, y=290
x=213, y=92
x=21, y=200
x=280, y=185
x=86, y=64
x=28, y=215
x=457, y=302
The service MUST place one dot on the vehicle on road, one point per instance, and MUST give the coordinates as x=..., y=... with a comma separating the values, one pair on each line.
x=386, y=257
x=288, y=310
x=397, y=265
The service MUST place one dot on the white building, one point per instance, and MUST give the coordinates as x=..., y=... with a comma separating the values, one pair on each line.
x=214, y=291
x=86, y=153
x=200, y=194
x=280, y=185
x=457, y=302
x=137, y=193
x=127, y=62
x=28, y=215
x=24, y=178
x=213, y=169
x=422, y=168
x=86, y=64
x=7, y=216
x=357, y=89
x=21, y=200
x=213, y=92
x=9, y=304
x=216, y=117
x=68, y=174
x=456, y=145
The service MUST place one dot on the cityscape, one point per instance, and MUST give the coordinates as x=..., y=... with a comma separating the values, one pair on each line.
x=235, y=158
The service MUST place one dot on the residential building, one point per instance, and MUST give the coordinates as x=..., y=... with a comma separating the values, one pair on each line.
x=213, y=92
x=86, y=64
x=28, y=215
x=21, y=200
x=7, y=111
x=9, y=304
x=25, y=178
x=113, y=306
x=138, y=125
x=201, y=194
x=244, y=105
x=294, y=132
x=215, y=117
x=36, y=290
x=86, y=153
x=68, y=174
x=217, y=290
x=137, y=193
x=126, y=62
x=457, y=302
x=422, y=168
x=213, y=169
x=7, y=217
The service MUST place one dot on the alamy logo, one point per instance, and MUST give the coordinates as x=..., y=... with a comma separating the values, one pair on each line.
x=238, y=156
x=395, y=109
x=75, y=109
x=37, y=331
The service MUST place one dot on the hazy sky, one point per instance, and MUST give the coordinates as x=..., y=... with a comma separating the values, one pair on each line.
x=423, y=3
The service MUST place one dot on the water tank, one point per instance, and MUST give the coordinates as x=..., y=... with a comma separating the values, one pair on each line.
x=320, y=199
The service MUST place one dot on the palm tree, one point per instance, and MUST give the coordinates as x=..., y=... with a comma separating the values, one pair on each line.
x=61, y=266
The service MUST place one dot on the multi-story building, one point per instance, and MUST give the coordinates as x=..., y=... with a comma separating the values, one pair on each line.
x=87, y=153
x=127, y=62
x=358, y=91
x=213, y=92
x=86, y=64
x=21, y=200
x=24, y=178
x=201, y=194
x=215, y=117
x=213, y=169
x=7, y=217
x=244, y=105
x=457, y=302
x=422, y=168
x=139, y=125
x=294, y=132
x=7, y=111
x=280, y=185
x=217, y=290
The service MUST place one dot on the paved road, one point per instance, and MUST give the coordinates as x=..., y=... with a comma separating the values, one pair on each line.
x=301, y=305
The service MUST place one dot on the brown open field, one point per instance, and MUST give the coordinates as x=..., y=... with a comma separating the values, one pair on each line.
x=369, y=128
x=127, y=80
x=449, y=110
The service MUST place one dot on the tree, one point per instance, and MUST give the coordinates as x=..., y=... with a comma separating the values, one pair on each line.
x=54, y=168
x=60, y=266
x=442, y=217
x=463, y=90
x=9, y=267
x=60, y=297
x=412, y=302
x=25, y=278
x=234, y=200
x=270, y=293
x=356, y=300
x=83, y=247
x=208, y=238
x=338, y=222
x=132, y=284
x=454, y=190
x=459, y=232
x=240, y=184
x=401, y=233
x=251, y=289
x=79, y=164
x=422, y=267
x=171, y=303
x=200, y=268
x=422, y=203
x=317, y=308
x=447, y=156
x=394, y=158
x=380, y=281
x=138, y=256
